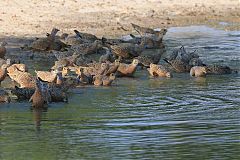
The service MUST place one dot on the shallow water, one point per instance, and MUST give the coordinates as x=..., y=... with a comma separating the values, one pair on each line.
x=139, y=118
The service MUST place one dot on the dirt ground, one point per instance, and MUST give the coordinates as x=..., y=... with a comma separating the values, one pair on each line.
x=104, y=17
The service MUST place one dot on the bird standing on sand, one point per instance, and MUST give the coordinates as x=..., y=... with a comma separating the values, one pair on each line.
x=43, y=44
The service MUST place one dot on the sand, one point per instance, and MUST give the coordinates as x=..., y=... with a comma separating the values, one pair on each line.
x=105, y=17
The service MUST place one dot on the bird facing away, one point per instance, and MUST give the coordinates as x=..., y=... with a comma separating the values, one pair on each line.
x=37, y=98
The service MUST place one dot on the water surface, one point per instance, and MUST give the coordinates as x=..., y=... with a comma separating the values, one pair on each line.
x=141, y=117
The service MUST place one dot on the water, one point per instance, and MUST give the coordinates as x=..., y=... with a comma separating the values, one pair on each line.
x=140, y=118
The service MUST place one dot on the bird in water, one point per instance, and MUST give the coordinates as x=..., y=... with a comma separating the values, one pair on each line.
x=159, y=71
x=127, y=69
x=3, y=49
x=198, y=71
x=38, y=97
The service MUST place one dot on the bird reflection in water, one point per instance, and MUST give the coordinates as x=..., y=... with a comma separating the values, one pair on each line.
x=201, y=81
x=37, y=116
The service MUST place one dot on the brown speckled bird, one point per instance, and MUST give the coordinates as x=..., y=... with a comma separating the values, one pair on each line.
x=21, y=67
x=43, y=44
x=7, y=61
x=4, y=96
x=107, y=57
x=47, y=76
x=103, y=80
x=103, y=69
x=37, y=98
x=127, y=50
x=84, y=79
x=65, y=71
x=97, y=80
x=219, y=69
x=113, y=67
x=107, y=80
x=198, y=71
x=181, y=61
x=65, y=61
x=3, y=72
x=87, y=48
x=89, y=71
x=86, y=36
x=3, y=49
x=142, y=30
x=73, y=39
x=159, y=71
x=146, y=60
x=58, y=43
x=127, y=69
x=22, y=93
x=24, y=79
x=51, y=92
x=149, y=32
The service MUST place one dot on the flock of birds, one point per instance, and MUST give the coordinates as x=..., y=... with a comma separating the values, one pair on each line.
x=75, y=65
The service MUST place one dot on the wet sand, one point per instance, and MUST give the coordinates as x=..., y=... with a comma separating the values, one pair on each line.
x=105, y=17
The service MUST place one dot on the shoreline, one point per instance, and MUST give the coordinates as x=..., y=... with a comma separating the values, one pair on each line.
x=35, y=18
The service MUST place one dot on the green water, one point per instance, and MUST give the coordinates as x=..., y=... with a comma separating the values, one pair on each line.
x=141, y=117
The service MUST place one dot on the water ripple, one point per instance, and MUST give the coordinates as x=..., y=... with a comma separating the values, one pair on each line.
x=139, y=118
